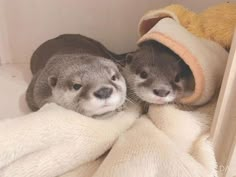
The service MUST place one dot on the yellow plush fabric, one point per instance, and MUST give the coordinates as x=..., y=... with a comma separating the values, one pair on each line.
x=216, y=23
x=219, y=22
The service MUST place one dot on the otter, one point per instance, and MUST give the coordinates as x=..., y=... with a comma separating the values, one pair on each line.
x=156, y=75
x=77, y=73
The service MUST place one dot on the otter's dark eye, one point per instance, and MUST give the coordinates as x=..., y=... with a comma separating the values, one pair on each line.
x=143, y=75
x=77, y=86
x=177, y=78
x=114, y=78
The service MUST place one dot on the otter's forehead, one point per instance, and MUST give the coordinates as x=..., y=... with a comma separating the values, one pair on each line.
x=82, y=60
x=93, y=71
x=87, y=71
x=155, y=61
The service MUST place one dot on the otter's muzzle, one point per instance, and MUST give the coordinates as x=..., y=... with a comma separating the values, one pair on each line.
x=103, y=93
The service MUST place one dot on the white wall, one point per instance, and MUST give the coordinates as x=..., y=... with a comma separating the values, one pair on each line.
x=4, y=42
x=113, y=22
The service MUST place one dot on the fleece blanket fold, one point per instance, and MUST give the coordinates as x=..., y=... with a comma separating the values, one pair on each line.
x=146, y=151
x=167, y=141
x=54, y=140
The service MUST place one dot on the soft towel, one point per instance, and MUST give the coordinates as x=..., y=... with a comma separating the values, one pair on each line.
x=54, y=140
x=146, y=151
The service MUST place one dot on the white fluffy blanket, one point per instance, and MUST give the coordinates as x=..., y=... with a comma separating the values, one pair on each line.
x=54, y=141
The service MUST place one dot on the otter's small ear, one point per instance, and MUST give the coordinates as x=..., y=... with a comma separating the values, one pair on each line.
x=52, y=81
x=129, y=58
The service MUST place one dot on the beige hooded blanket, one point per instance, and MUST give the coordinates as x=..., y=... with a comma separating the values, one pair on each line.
x=167, y=142
x=206, y=58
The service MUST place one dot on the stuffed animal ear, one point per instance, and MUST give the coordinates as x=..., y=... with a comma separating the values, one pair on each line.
x=52, y=81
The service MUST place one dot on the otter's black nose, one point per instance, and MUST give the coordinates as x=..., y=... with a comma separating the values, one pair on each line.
x=103, y=93
x=161, y=92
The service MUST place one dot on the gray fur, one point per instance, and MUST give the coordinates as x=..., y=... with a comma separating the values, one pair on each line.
x=75, y=60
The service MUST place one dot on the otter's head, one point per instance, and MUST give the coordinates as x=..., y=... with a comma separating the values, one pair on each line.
x=157, y=75
x=89, y=85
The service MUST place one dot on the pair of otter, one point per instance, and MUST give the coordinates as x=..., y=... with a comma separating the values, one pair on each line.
x=80, y=74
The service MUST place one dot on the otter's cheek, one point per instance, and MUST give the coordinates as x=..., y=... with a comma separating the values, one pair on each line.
x=114, y=100
x=179, y=89
x=122, y=84
x=64, y=98
x=181, y=85
x=120, y=88
x=144, y=94
x=91, y=103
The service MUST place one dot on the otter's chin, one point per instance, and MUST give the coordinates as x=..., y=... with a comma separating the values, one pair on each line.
x=105, y=109
x=102, y=107
x=101, y=110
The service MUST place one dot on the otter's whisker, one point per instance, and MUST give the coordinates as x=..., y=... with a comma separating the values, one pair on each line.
x=130, y=101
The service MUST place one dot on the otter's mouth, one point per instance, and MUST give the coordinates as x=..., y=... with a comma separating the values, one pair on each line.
x=105, y=107
x=160, y=102
x=109, y=106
